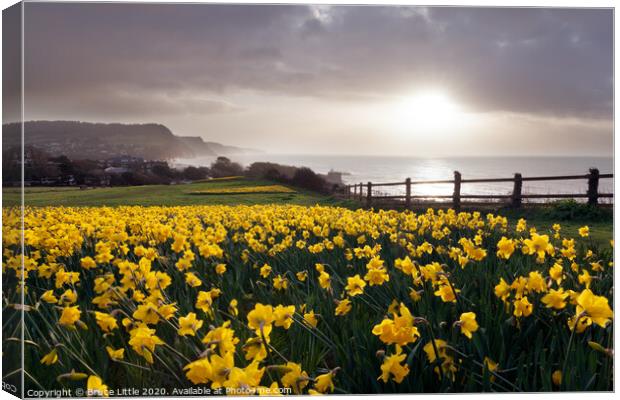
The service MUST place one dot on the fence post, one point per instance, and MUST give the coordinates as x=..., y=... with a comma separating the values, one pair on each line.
x=361, y=191
x=456, y=196
x=593, y=187
x=369, y=194
x=408, y=193
x=516, y=192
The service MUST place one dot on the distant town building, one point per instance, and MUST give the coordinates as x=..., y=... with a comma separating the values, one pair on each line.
x=116, y=170
x=149, y=165
x=125, y=162
x=334, y=177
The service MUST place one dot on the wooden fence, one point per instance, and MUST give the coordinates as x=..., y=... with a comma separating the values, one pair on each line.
x=364, y=192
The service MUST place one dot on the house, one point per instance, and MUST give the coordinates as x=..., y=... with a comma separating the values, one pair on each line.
x=129, y=162
x=149, y=165
x=334, y=177
x=116, y=170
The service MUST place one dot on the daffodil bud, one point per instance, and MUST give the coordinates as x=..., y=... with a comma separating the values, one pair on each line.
x=283, y=369
x=597, y=347
x=556, y=377
x=72, y=376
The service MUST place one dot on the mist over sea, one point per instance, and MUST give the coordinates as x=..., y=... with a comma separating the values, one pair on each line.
x=379, y=169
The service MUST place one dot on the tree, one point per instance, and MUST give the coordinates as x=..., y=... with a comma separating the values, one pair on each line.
x=11, y=166
x=163, y=171
x=271, y=171
x=64, y=165
x=85, y=170
x=195, y=173
x=306, y=178
x=274, y=175
x=224, y=167
x=37, y=165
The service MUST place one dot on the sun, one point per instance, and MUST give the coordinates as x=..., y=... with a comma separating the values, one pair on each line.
x=430, y=111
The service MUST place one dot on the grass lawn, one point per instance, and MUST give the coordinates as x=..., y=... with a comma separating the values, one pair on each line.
x=160, y=195
x=543, y=218
x=601, y=226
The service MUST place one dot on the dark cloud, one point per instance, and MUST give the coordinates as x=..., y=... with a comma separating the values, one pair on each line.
x=136, y=58
x=11, y=64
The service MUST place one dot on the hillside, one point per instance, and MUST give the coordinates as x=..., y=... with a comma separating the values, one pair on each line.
x=197, y=145
x=87, y=140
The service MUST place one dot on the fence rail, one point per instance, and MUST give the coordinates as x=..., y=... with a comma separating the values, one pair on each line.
x=364, y=192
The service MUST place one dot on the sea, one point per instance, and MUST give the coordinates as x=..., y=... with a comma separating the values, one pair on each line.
x=384, y=169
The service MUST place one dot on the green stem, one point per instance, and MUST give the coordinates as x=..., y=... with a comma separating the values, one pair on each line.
x=570, y=342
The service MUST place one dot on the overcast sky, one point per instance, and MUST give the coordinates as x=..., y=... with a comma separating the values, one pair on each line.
x=318, y=79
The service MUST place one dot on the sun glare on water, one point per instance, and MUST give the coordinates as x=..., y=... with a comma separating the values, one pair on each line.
x=428, y=112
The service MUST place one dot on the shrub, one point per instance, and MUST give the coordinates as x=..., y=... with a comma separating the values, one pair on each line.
x=569, y=210
x=306, y=178
x=273, y=171
x=164, y=171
